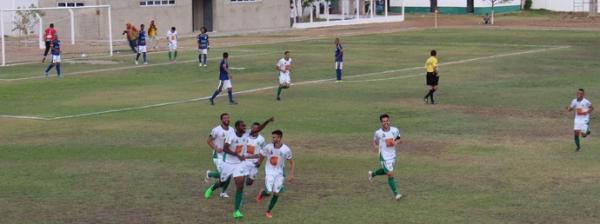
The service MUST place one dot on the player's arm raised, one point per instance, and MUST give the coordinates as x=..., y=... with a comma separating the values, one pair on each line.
x=263, y=125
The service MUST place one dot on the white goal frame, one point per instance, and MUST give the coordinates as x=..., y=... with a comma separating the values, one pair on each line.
x=41, y=25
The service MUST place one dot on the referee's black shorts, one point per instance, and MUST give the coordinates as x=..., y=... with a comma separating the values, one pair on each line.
x=432, y=79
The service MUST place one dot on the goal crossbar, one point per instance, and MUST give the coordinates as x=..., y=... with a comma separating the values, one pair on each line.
x=41, y=25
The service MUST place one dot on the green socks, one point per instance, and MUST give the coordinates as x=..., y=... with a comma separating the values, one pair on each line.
x=175, y=57
x=577, y=141
x=226, y=184
x=273, y=202
x=238, y=200
x=392, y=184
x=279, y=91
x=264, y=193
x=214, y=174
x=170, y=56
x=379, y=172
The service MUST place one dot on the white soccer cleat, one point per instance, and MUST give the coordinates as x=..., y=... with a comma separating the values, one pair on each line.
x=205, y=65
x=370, y=176
x=145, y=63
x=199, y=65
x=136, y=62
x=224, y=195
x=398, y=196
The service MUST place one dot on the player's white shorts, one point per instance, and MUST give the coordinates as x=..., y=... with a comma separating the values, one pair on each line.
x=202, y=51
x=55, y=58
x=218, y=162
x=251, y=169
x=388, y=165
x=274, y=183
x=141, y=49
x=339, y=65
x=224, y=84
x=172, y=46
x=232, y=170
x=284, y=79
x=581, y=125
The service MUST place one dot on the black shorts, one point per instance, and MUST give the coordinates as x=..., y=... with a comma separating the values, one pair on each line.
x=432, y=79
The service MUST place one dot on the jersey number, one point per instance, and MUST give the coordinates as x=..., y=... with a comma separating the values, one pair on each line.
x=389, y=142
x=238, y=150
x=273, y=160
x=250, y=150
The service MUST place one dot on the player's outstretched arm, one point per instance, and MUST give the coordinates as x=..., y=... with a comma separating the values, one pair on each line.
x=292, y=170
x=374, y=145
x=263, y=125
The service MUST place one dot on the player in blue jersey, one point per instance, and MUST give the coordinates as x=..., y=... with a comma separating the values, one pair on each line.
x=55, y=50
x=224, y=81
x=202, y=47
x=141, y=48
x=339, y=59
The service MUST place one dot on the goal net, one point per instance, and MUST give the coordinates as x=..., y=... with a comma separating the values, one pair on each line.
x=84, y=31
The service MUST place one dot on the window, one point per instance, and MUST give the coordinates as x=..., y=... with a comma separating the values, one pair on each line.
x=70, y=4
x=157, y=2
x=240, y=1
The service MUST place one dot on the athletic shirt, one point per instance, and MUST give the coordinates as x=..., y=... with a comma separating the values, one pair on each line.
x=430, y=64
x=284, y=65
x=203, y=41
x=152, y=30
x=172, y=37
x=254, y=146
x=142, y=39
x=276, y=158
x=339, y=55
x=237, y=144
x=218, y=134
x=49, y=34
x=385, y=139
x=56, y=47
x=581, y=106
x=223, y=75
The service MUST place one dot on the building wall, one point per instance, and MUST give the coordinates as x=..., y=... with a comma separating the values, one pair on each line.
x=460, y=6
x=9, y=16
x=562, y=5
x=250, y=16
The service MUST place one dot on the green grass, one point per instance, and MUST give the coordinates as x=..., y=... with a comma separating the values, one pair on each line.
x=497, y=149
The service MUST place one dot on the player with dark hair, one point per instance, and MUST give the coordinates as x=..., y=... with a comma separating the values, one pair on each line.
x=224, y=81
x=283, y=67
x=55, y=57
x=203, y=46
x=384, y=141
x=431, y=66
x=141, y=45
x=583, y=108
x=49, y=36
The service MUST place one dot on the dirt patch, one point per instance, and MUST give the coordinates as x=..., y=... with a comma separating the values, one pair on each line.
x=92, y=62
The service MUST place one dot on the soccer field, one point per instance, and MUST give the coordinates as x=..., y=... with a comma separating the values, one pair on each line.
x=116, y=143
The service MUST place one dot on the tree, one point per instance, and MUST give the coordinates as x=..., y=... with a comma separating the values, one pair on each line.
x=25, y=20
x=494, y=3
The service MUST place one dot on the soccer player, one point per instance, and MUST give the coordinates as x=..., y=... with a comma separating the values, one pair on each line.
x=55, y=57
x=49, y=36
x=431, y=66
x=216, y=141
x=283, y=66
x=224, y=81
x=172, y=36
x=339, y=59
x=583, y=108
x=141, y=45
x=385, y=140
x=152, y=31
x=254, y=146
x=276, y=154
x=203, y=46
x=132, y=34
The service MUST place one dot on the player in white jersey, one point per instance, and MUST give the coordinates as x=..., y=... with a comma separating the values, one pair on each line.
x=284, y=66
x=254, y=146
x=384, y=142
x=172, y=37
x=276, y=155
x=583, y=108
x=216, y=141
x=233, y=165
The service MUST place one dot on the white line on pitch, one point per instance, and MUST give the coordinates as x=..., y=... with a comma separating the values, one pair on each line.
x=273, y=87
x=130, y=67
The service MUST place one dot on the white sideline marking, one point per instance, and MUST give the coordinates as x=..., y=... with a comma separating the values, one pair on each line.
x=273, y=87
x=41, y=76
x=237, y=68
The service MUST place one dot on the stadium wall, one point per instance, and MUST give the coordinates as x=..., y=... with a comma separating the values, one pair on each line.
x=456, y=6
x=562, y=5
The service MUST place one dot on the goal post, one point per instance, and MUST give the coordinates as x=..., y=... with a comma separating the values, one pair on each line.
x=75, y=14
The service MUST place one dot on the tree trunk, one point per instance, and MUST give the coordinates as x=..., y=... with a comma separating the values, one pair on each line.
x=493, y=12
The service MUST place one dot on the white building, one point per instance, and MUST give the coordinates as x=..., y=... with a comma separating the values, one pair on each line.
x=562, y=5
x=477, y=7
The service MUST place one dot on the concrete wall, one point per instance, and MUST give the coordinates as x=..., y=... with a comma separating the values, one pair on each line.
x=249, y=16
x=9, y=16
x=562, y=5
x=460, y=6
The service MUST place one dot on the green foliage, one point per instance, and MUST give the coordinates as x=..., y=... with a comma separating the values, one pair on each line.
x=528, y=4
x=25, y=21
